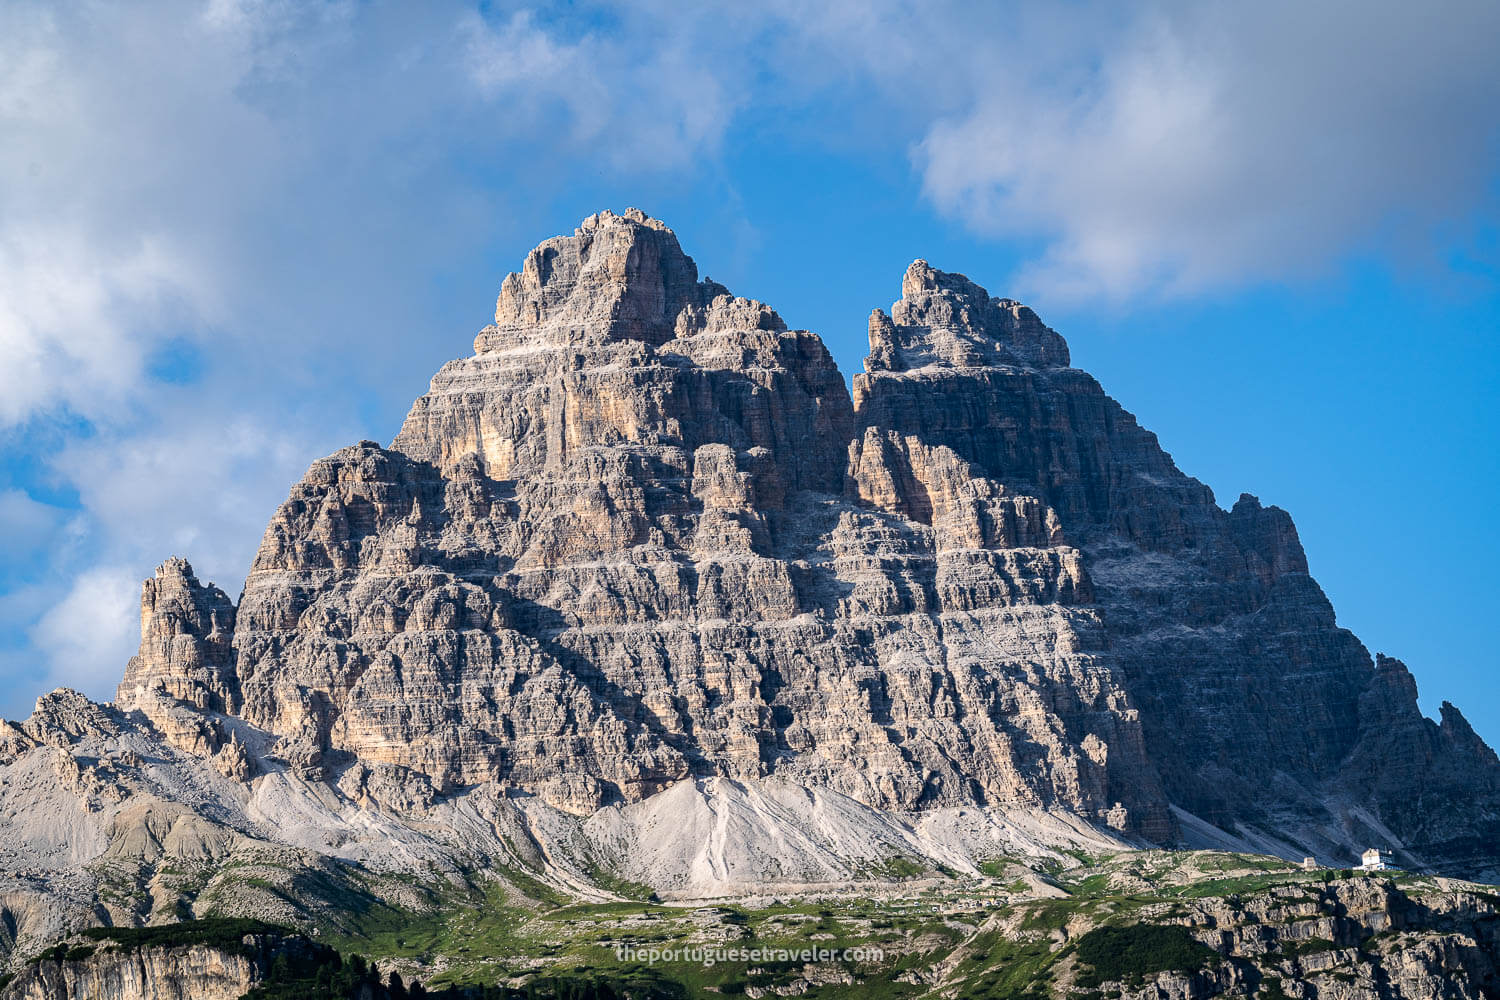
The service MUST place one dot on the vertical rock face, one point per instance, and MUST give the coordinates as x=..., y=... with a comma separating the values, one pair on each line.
x=615, y=278
x=185, y=642
x=188, y=972
x=1258, y=710
x=644, y=534
x=607, y=345
x=983, y=377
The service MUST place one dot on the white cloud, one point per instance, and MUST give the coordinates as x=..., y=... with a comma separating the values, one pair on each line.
x=1219, y=145
x=24, y=524
x=643, y=106
x=200, y=489
x=106, y=219
x=74, y=316
x=233, y=172
x=90, y=633
x=204, y=490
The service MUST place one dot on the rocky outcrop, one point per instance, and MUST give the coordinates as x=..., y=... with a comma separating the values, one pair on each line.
x=178, y=974
x=101, y=971
x=1357, y=938
x=1436, y=783
x=185, y=649
x=946, y=320
x=645, y=536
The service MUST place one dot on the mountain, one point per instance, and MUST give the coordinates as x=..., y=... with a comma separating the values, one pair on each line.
x=641, y=597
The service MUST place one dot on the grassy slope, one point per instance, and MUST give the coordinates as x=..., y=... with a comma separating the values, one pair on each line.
x=999, y=935
x=985, y=936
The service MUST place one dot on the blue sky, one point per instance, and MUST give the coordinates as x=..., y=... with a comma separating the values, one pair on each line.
x=235, y=236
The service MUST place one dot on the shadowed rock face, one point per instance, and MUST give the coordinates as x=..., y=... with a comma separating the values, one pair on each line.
x=644, y=534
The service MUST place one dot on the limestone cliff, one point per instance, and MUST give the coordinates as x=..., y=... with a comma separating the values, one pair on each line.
x=620, y=547
x=643, y=560
x=99, y=970
x=1259, y=713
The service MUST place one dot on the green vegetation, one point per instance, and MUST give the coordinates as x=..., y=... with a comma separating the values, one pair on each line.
x=610, y=882
x=900, y=867
x=1008, y=970
x=1311, y=946
x=1049, y=914
x=326, y=976
x=225, y=934
x=64, y=952
x=1241, y=885
x=312, y=971
x=1092, y=885
x=1128, y=954
x=1270, y=989
x=507, y=933
x=528, y=887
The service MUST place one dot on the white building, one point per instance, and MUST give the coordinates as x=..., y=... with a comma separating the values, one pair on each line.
x=1376, y=860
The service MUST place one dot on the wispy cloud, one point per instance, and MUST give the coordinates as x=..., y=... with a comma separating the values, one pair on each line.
x=25, y=526
x=655, y=107
x=84, y=633
x=1213, y=146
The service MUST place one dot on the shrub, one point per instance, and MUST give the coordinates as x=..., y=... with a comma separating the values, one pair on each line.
x=1270, y=989
x=226, y=934
x=1118, y=954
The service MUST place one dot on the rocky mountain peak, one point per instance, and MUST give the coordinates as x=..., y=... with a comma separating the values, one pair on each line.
x=642, y=557
x=186, y=628
x=606, y=339
x=946, y=319
x=661, y=541
x=618, y=277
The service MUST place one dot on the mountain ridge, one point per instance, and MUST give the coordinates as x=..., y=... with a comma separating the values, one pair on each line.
x=644, y=561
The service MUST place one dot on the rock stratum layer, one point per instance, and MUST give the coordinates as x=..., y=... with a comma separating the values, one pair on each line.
x=102, y=970
x=644, y=547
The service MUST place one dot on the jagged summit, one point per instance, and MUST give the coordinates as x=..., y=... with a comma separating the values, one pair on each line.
x=641, y=562
x=946, y=319
x=617, y=278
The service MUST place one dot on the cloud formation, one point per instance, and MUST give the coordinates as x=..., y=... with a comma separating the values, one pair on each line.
x=1218, y=145
x=209, y=171
x=84, y=632
x=636, y=106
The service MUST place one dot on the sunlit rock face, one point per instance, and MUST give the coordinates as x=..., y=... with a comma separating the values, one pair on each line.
x=185, y=652
x=645, y=534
